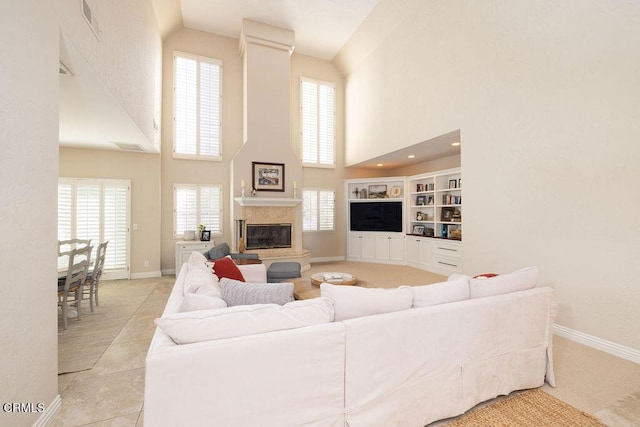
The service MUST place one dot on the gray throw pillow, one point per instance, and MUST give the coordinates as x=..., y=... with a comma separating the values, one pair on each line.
x=235, y=292
x=218, y=251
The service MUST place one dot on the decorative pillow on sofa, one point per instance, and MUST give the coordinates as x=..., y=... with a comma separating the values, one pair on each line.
x=193, y=302
x=235, y=292
x=225, y=267
x=205, y=325
x=200, y=280
x=441, y=293
x=519, y=280
x=354, y=301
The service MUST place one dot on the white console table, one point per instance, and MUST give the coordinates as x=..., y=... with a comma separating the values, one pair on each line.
x=184, y=249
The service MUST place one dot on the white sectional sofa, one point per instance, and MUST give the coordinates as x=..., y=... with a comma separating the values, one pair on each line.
x=401, y=368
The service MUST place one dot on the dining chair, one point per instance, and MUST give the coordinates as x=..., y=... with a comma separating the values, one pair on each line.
x=65, y=246
x=75, y=256
x=93, y=278
x=70, y=293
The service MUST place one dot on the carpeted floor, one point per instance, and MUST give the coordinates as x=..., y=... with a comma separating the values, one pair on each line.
x=527, y=408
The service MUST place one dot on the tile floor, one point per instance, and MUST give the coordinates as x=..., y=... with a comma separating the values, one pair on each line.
x=112, y=342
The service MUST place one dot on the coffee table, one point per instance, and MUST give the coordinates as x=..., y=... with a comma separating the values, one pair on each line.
x=305, y=288
x=335, y=278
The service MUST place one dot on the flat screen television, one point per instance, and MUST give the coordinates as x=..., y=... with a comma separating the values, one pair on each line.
x=375, y=216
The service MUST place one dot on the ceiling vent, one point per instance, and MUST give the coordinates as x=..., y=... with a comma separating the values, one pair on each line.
x=63, y=69
x=127, y=146
x=88, y=15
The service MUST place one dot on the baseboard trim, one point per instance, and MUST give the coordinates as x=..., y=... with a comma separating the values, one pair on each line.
x=617, y=350
x=146, y=275
x=49, y=415
x=327, y=259
x=169, y=272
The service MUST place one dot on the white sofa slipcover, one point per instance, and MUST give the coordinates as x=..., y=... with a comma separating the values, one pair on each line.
x=406, y=368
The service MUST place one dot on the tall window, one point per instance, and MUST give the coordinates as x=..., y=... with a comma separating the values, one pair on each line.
x=317, y=122
x=318, y=210
x=197, y=204
x=97, y=209
x=197, y=105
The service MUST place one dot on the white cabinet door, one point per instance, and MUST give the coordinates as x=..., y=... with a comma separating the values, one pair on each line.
x=425, y=253
x=396, y=248
x=354, y=246
x=368, y=248
x=412, y=245
x=382, y=248
x=184, y=249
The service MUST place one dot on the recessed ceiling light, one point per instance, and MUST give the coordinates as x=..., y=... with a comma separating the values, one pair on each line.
x=379, y=164
x=411, y=156
x=455, y=144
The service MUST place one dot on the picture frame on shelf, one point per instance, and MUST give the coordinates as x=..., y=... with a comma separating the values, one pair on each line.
x=421, y=200
x=419, y=188
x=446, y=215
x=267, y=176
x=205, y=236
x=418, y=230
x=429, y=200
x=453, y=183
x=420, y=216
x=428, y=232
x=377, y=191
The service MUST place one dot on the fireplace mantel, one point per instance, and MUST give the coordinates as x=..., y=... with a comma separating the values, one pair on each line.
x=267, y=201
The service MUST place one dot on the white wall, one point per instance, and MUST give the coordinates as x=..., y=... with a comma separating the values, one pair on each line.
x=28, y=171
x=126, y=57
x=546, y=96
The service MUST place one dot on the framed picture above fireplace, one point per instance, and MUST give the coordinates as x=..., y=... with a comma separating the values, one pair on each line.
x=268, y=176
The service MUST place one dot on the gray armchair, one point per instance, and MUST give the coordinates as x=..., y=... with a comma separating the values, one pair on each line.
x=222, y=250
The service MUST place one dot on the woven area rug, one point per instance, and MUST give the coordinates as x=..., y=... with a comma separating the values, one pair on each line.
x=527, y=408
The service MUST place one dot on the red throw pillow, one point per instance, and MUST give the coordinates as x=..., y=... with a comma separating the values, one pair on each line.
x=225, y=267
x=485, y=276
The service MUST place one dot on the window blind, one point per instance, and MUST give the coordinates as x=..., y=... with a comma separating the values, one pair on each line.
x=197, y=107
x=195, y=205
x=96, y=209
x=318, y=210
x=317, y=121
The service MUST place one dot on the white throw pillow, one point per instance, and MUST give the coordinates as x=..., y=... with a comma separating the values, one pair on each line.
x=519, y=280
x=441, y=293
x=193, y=302
x=201, y=281
x=355, y=301
x=241, y=320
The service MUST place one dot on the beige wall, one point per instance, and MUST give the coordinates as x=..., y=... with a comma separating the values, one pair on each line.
x=201, y=172
x=545, y=95
x=325, y=244
x=28, y=170
x=143, y=170
x=181, y=171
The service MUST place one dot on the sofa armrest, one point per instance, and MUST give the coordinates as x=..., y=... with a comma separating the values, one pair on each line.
x=255, y=273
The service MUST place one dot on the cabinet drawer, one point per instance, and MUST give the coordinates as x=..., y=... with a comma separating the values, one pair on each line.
x=450, y=265
x=447, y=249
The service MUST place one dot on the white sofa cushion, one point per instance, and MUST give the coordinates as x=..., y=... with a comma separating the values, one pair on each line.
x=519, y=280
x=441, y=293
x=235, y=292
x=206, y=325
x=193, y=302
x=355, y=301
x=200, y=280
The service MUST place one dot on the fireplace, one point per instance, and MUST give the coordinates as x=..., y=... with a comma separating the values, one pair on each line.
x=268, y=236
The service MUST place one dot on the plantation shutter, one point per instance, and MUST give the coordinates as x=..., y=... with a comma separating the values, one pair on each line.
x=211, y=208
x=98, y=210
x=197, y=106
x=88, y=211
x=116, y=224
x=309, y=210
x=317, y=120
x=195, y=205
x=186, y=209
x=326, y=210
